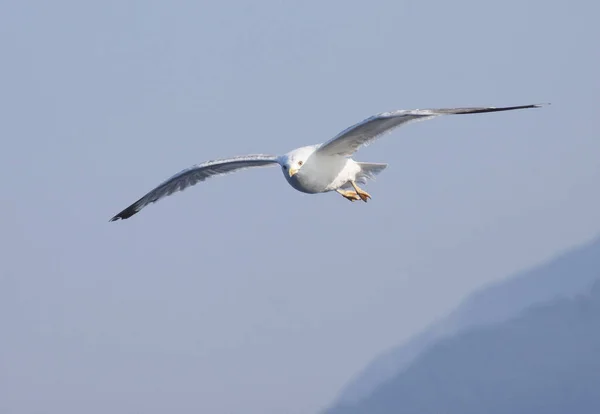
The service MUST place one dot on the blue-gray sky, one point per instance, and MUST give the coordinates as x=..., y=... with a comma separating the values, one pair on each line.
x=242, y=294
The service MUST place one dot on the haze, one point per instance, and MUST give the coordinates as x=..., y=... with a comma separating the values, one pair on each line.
x=242, y=294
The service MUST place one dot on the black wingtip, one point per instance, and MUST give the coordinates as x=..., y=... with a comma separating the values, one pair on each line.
x=125, y=214
x=465, y=111
x=510, y=108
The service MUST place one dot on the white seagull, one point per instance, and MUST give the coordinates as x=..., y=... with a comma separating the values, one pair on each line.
x=316, y=168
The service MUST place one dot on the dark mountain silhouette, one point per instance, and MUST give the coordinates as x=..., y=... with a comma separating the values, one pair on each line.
x=547, y=360
x=570, y=273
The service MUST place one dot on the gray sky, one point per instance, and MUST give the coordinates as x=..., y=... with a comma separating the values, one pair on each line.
x=242, y=294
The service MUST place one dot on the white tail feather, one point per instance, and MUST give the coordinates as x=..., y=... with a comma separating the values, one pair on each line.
x=368, y=171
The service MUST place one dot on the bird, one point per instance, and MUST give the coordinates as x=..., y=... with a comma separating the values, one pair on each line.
x=313, y=169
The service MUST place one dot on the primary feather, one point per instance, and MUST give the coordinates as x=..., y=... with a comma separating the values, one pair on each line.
x=195, y=174
x=363, y=133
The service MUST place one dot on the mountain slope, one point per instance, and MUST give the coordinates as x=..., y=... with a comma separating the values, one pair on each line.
x=566, y=275
x=547, y=360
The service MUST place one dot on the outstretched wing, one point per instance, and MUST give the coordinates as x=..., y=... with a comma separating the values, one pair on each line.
x=363, y=133
x=194, y=175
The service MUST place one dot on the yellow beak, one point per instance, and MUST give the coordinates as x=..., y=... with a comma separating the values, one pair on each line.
x=293, y=171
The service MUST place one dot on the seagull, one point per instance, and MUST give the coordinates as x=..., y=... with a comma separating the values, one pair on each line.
x=316, y=168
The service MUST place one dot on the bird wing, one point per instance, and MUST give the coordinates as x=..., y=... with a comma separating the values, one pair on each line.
x=363, y=133
x=195, y=174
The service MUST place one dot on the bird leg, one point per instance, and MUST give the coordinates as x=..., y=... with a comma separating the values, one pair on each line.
x=349, y=195
x=361, y=193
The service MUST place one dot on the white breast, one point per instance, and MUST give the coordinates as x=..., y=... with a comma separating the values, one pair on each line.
x=321, y=174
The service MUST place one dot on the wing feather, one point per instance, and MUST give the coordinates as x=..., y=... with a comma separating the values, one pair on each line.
x=363, y=133
x=195, y=174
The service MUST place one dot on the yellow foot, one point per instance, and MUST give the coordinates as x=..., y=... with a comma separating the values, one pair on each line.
x=361, y=193
x=349, y=195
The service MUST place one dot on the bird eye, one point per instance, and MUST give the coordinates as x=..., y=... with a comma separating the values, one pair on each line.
x=285, y=167
x=299, y=162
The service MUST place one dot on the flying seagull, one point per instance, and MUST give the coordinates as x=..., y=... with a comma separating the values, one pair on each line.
x=316, y=168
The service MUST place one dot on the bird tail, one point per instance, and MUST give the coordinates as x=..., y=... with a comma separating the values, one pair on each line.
x=368, y=171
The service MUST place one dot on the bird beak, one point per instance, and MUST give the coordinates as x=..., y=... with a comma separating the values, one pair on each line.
x=292, y=172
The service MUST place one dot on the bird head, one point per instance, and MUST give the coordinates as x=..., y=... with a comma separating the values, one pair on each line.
x=292, y=162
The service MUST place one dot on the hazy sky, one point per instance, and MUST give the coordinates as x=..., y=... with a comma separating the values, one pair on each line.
x=242, y=294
